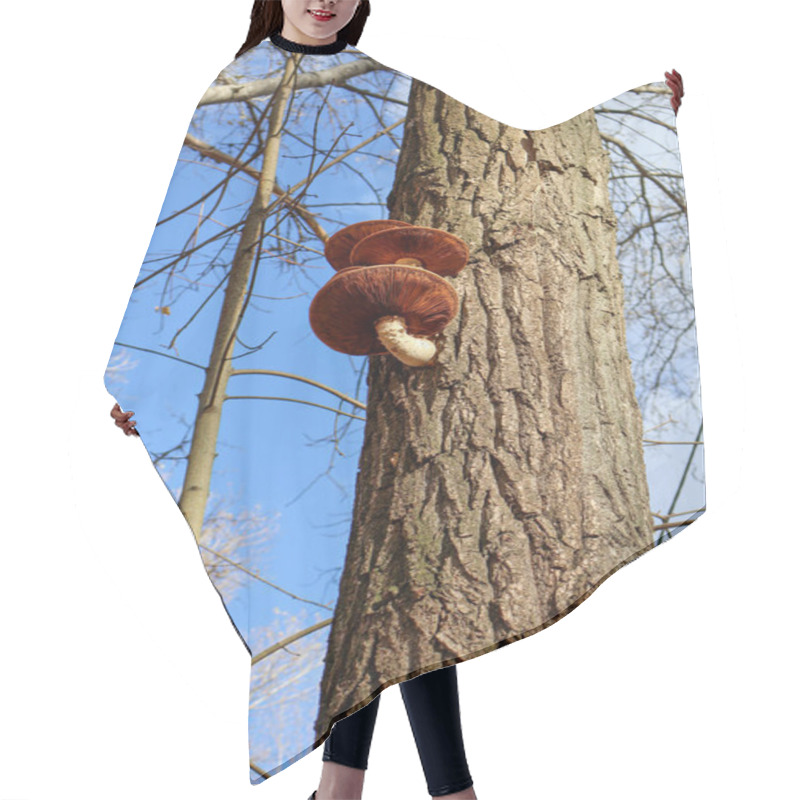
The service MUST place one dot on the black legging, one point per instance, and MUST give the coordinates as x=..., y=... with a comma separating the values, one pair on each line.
x=431, y=701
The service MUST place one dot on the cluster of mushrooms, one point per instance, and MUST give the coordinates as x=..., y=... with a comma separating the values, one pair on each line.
x=388, y=293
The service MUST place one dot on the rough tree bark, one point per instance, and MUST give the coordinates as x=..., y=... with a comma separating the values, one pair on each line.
x=501, y=485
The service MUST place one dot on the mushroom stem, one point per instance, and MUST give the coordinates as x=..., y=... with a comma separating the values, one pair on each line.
x=412, y=350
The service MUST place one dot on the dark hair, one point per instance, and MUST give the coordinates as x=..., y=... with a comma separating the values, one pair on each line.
x=266, y=18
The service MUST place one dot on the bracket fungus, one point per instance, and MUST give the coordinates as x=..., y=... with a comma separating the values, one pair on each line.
x=339, y=245
x=435, y=250
x=388, y=293
x=385, y=307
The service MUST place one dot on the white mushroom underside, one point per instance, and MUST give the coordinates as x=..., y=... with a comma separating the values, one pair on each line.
x=411, y=350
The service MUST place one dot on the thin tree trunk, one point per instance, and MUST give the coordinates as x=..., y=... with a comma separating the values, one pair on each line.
x=500, y=486
x=197, y=481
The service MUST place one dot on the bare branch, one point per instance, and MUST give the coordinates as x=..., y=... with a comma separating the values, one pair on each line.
x=302, y=378
x=645, y=171
x=257, y=577
x=291, y=400
x=267, y=86
x=289, y=639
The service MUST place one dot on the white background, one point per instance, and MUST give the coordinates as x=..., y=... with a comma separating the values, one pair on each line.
x=121, y=675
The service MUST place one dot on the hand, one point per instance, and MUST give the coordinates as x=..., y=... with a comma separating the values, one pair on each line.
x=122, y=419
x=675, y=82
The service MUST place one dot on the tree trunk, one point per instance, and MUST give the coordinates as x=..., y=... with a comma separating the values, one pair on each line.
x=501, y=485
x=202, y=452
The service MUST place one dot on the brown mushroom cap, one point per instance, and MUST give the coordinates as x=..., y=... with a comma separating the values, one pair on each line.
x=338, y=246
x=436, y=250
x=344, y=311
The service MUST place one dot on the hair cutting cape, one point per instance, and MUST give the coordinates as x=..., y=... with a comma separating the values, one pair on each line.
x=405, y=443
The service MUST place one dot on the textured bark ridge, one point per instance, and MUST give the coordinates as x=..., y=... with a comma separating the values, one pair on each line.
x=499, y=486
